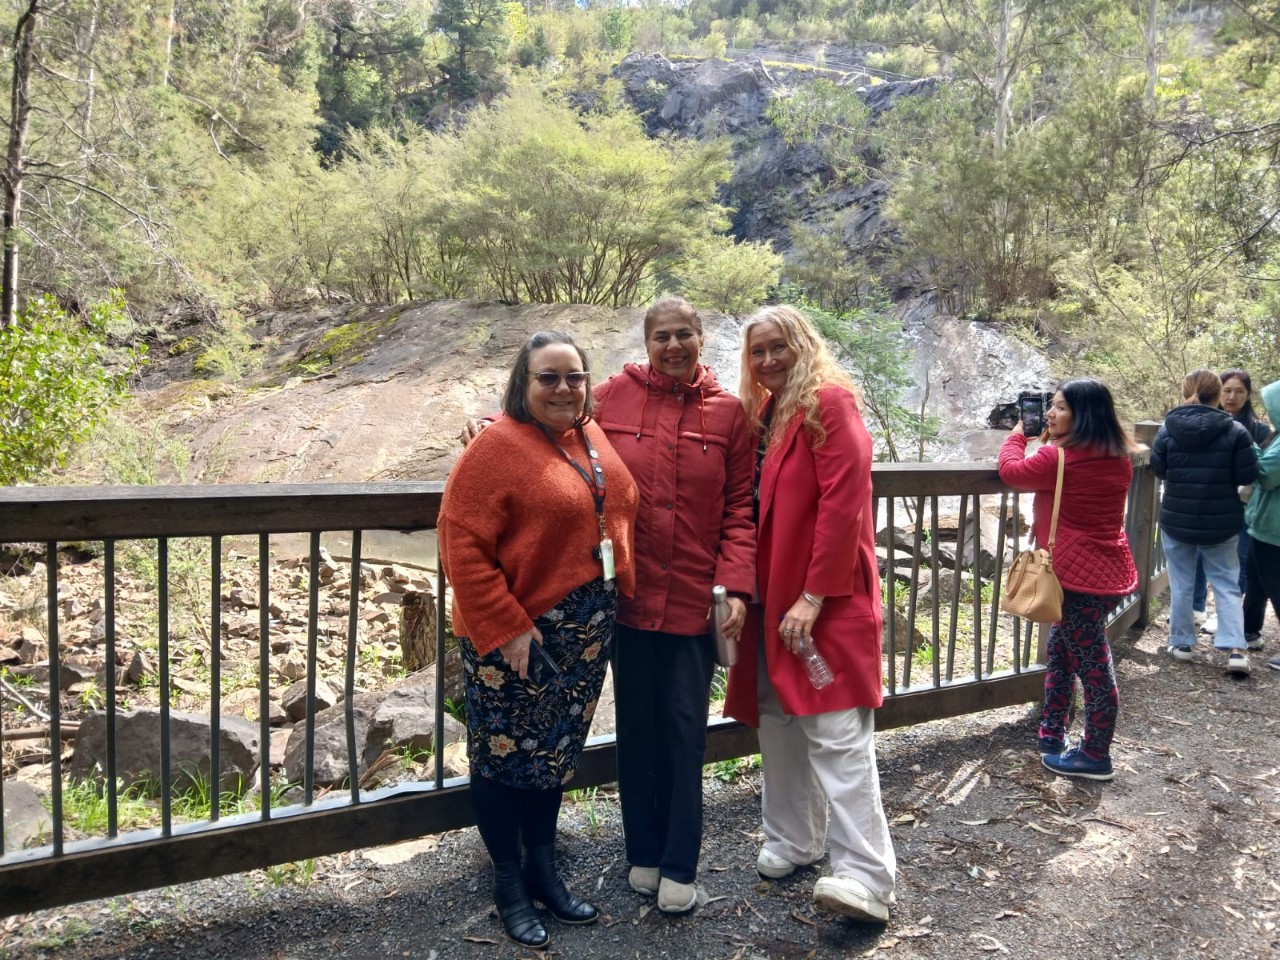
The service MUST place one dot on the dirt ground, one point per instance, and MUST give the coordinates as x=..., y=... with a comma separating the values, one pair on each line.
x=1179, y=856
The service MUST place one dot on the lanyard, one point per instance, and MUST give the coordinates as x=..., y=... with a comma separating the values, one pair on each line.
x=595, y=479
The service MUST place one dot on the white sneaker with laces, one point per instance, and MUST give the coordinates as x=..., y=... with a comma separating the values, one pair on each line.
x=1238, y=663
x=1210, y=625
x=848, y=897
x=773, y=866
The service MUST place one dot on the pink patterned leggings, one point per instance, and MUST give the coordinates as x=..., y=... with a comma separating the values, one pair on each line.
x=1078, y=648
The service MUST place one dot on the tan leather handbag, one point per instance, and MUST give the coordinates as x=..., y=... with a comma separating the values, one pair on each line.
x=1031, y=588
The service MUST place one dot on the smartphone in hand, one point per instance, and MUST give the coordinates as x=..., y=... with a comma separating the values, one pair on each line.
x=1031, y=411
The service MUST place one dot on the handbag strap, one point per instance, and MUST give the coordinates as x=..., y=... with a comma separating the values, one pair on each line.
x=1057, y=500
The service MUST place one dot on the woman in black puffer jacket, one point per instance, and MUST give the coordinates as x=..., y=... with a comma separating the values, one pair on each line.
x=1203, y=455
x=1237, y=400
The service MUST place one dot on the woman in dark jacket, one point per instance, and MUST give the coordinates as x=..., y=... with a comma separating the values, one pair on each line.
x=1091, y=558
x=1203, y=455
x=1237, y=400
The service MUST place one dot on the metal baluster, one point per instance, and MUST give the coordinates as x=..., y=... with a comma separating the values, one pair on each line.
x=166, y=690
x=55, y=696
x=935, y=636
x=215, y=678
x=313, y=618
x=913, y=594
x=958, y=570
x=977, y=586
x=994, y=621
x=438, y=738
x=349, y=684
x=109, y=614
x=892, y=605
x=264, y=670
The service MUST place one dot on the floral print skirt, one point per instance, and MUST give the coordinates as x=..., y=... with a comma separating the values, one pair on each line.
x=529, y=733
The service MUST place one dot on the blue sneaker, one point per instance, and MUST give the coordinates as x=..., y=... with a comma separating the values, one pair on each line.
x=1074, y=763
x=1052, y=746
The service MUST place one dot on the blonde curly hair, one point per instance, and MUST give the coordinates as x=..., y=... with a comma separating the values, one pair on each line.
x=814, y=368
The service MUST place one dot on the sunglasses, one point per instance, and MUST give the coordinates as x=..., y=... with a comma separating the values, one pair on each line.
x=549, y=379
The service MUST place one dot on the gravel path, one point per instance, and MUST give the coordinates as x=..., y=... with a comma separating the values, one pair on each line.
x=1178, y=857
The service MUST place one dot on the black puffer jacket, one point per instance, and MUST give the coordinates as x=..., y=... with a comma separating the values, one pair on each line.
x=1203, y=455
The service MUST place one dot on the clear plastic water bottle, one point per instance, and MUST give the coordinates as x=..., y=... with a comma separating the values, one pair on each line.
x=726, y=647
x=815, y=665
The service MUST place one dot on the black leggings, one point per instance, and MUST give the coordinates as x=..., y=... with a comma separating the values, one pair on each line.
x=1264, y=584
x=505, y=815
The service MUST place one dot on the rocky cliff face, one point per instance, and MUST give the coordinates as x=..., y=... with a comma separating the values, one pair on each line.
x=380, y=393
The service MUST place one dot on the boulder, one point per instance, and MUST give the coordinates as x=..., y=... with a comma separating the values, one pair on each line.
x=137, y=737
x=26, y=821
x=402, y=716
x=294, y=699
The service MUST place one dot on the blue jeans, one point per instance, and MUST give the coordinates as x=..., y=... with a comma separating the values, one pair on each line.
x=1222, y=566
x=1201, y=594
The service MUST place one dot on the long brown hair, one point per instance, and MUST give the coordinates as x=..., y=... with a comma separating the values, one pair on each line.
x=815, y=367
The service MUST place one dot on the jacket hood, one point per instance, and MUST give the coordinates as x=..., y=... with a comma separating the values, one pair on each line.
x=1271, y=400
x=704, y=381
x=1195, y=426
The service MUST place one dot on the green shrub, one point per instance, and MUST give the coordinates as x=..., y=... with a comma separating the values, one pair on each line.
x=58, y=379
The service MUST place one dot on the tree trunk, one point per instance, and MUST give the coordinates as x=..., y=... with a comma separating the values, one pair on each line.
x=15, y=158
x=1004, y=77
x=417, y=631
x=1153, y=58
x=89, y=75
x=418, y=642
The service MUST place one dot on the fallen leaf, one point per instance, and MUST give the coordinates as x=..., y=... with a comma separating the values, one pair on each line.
x=974, y=823
x=797, y=915
x=1235, y=913
x=470, y=939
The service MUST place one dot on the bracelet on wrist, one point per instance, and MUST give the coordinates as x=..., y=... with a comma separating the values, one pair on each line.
x=816, y=601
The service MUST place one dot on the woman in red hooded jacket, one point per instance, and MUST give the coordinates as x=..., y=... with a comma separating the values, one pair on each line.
x=1091, y=558
x=819, y=586
x=686, y=442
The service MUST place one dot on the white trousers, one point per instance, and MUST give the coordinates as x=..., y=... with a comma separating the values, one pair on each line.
x=821, y=770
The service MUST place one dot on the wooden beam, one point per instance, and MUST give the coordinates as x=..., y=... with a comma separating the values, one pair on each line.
x=97, y=513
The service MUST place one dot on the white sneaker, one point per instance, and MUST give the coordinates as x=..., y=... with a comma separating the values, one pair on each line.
x=1200, y=617
x=773, y=866
x=1210, y=625
x=848, y=897
x=644, y=880
x=676, y=897
x=1238, y=663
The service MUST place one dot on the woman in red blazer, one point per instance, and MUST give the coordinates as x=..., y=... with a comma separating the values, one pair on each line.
x=819, y=586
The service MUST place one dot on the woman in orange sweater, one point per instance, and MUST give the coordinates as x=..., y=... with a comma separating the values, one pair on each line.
x=536, y=536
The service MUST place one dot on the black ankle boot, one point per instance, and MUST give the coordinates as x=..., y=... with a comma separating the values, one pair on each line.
x=543, y=882
x=516, y=911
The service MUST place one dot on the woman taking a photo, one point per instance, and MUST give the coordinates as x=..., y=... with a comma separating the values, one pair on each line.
x=1091, y=558
x=819, y=586
x=536, y=538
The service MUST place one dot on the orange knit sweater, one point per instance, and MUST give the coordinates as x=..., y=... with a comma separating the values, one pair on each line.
x=517, y=528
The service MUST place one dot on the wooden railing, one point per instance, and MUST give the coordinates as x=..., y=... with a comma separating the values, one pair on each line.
x=969, y=659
